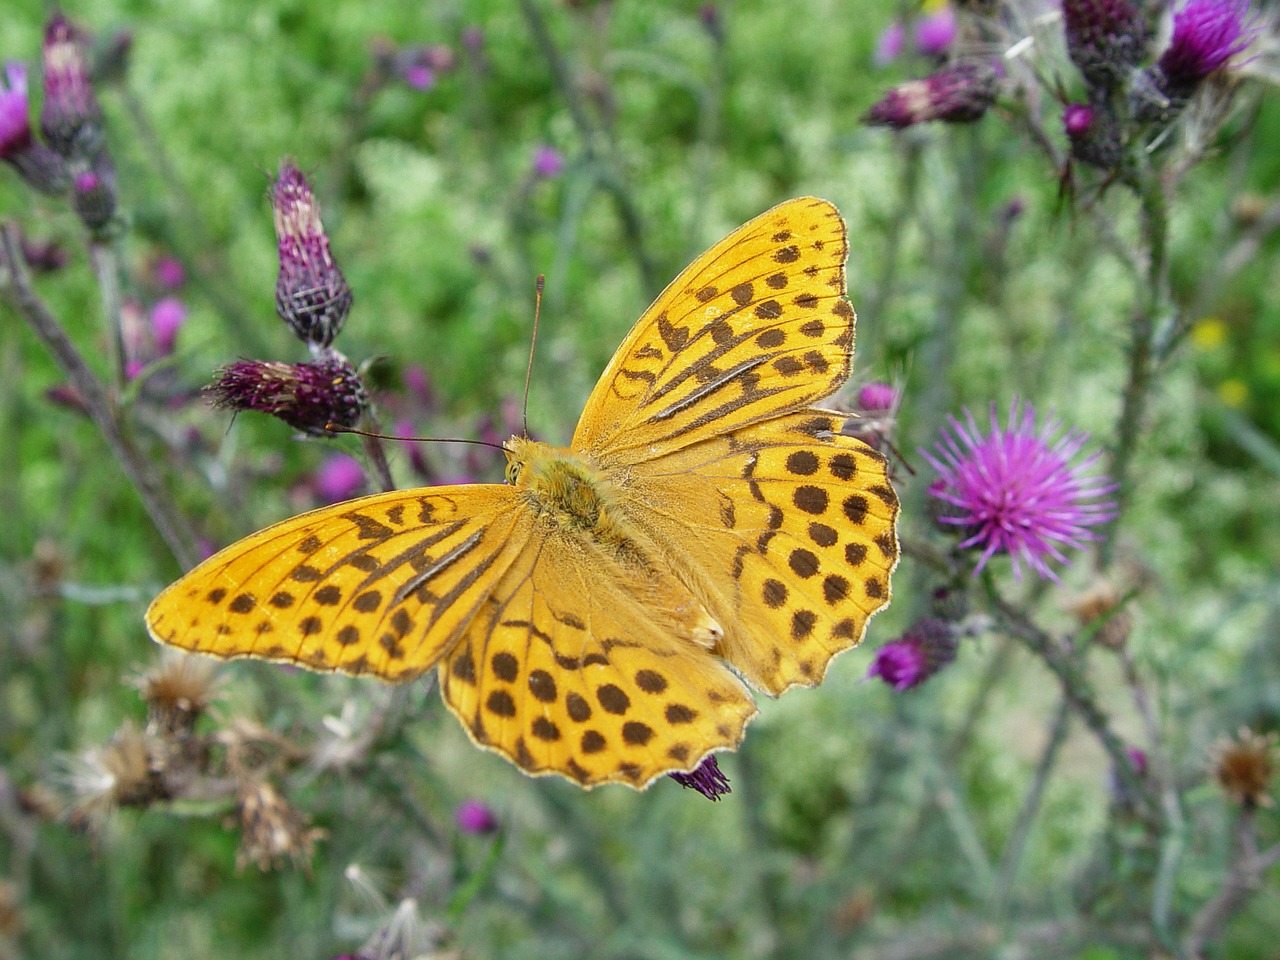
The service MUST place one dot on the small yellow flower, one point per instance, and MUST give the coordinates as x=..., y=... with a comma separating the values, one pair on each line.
x=1208, y=333
x=1233, y=392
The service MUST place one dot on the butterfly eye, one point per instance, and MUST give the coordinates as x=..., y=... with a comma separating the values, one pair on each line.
x=512, y=471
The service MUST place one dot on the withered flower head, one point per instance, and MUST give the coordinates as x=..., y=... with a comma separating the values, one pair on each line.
x=1100, y=603
x=272, y=829
x=177, y=691
x=1244, y=766
x=117, y=775
x=312, y=296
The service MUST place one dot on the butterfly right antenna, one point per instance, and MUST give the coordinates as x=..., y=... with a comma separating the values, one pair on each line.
x=533, y=343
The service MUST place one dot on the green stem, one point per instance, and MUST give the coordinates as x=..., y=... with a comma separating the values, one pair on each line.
x=1017, y=844
x=101, y=406
x=1137, y=391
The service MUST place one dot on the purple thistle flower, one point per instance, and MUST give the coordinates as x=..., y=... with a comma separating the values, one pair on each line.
x=1206, y=35
x=307, y=396
x=70, y=118
x=707, y=778
x=312, y=296
x=1016, y=490
x=15, y=116
x=167, y=317
x=935, y=32
x=169, y=272
x=876, y=398
x=928, y=646
x=1106, y=39
x=889, y=46
x=38, y=165
x=474, y=817
x=548, y=162
x=419, y=76
x=339, y=478
x=960, y=93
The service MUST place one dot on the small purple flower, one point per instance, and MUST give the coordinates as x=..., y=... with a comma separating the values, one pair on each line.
x=419, y=76
x=1077, y=118
x=889, y=46
x=960, y=93
x=339, y=478
x=169, y=272
x=474, y=817
x=473, y=39
x=548, y=162
x=307, y=396
x=876, y=398
x=167, y=317
x=1206, y=35
x=312, y=296
x=927, y=647
x=1017, y=491
x=15, y=116
x=707, y=778
x=935, y=32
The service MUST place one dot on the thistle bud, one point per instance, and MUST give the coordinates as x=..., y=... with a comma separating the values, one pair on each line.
x=70, y=119
x=93, y=194
x=1106, y=39
x=307, y=396
x=928, y=646
x=312, y=296
x=960, y=93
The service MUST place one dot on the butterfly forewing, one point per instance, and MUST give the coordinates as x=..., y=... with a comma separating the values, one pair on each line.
x=756, y=326
x=599, y=671
x=382, y=585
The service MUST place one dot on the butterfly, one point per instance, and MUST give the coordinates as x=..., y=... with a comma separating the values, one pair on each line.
x=600, y=615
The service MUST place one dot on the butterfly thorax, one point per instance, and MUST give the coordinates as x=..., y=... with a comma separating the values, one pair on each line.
x=568, y=491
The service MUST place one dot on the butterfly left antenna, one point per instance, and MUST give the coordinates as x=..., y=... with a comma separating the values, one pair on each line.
x=533, y=343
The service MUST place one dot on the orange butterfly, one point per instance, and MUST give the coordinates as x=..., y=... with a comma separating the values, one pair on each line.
x=597, y=615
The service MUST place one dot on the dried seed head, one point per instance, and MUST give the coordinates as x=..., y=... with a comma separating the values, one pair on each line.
x=1244, y=766
x=272, y=829
x=1100, y=603
x=177, y=690
x=117, y=775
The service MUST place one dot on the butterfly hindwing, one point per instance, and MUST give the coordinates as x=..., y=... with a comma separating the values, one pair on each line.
x=785, y=530
x=596, y=670
x=381, y=585
x=756, y=326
